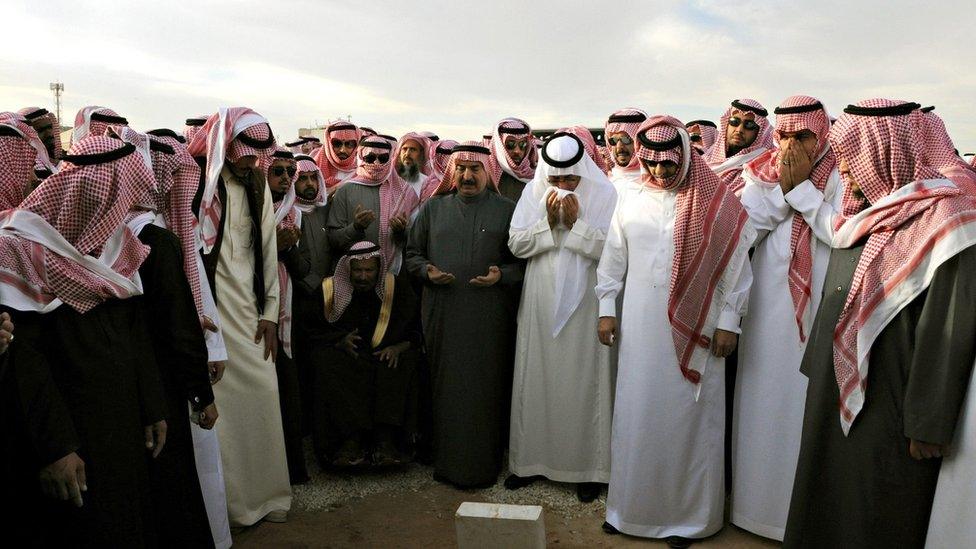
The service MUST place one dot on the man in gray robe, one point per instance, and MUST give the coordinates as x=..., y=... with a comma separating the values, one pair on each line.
x=458, y=247
x=899, y=282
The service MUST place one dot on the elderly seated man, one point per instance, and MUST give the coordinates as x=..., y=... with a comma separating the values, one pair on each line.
x=364, y=356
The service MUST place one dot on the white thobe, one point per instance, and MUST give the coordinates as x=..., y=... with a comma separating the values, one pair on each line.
x=770, y=391
x=667, y=471
x=953, y=520
x=623, y=179
x=252, y=443
x=562, y=394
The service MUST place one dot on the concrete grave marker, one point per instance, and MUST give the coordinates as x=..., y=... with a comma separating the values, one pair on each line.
x=496, y=525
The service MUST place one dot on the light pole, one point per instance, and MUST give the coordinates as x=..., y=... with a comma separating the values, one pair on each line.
x=58, y=89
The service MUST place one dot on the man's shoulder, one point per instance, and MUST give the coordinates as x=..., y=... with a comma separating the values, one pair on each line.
x=154, y=235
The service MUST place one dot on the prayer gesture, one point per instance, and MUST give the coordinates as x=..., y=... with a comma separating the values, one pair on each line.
x=287, y=237
x=65, y=479
x=795, y=166
x=571, y=209
x=6, y=332
x=606, y=330
x=723, y=343
x=398, y=223
x=484, y=281
x=552, y=209
x=156, y=437
x=391, y=354
x=924, y=450
x=268, y=331
x=363, y=217
x=348, y=343
x=437, y=276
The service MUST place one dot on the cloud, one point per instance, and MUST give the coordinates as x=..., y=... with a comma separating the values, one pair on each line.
x=457, y=66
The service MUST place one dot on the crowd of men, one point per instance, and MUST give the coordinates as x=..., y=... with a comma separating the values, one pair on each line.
x=190, y=307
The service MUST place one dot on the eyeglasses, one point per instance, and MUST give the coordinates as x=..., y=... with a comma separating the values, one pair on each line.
x=625, y=140
x=374, y=158
x=696, y=138
x=279, y=171
x=747, y=124
x=338, y=144
x=510, y=145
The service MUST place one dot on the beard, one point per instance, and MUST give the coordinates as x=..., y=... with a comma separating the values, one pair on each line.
x=408, y=172
x=309, y=193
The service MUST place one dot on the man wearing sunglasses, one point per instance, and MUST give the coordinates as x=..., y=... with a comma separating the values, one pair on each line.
x=373, y=205
x=337, y=155
x=789, y=264
x=702, y=134
x=621, y=132
x=743, y=135
x=513, y=150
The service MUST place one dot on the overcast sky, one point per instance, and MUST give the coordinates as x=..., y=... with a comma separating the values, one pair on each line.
x=455, y=66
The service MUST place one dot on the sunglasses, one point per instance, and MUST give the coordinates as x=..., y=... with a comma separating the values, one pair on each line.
x=510, y=145
x=279, y=171
x=374, y=158
x=625, y=140
x=338, y=144
x=747, y=124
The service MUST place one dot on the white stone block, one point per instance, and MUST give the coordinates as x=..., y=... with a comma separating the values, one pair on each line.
x=499, y=526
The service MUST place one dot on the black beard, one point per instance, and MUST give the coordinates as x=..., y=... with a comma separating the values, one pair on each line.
x=732, y=150
x=277, y=197
x=309, y=193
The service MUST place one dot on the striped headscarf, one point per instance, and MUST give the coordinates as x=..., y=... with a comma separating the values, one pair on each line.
x=914, y=221
x=709, y=221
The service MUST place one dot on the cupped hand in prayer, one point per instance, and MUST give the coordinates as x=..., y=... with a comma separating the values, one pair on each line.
x=437, y=276
x=490, y=279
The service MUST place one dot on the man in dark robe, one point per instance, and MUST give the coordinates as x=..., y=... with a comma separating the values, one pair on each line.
x=458, y=247
x=178, y=341
x=514, y=157
x=373, y=205
x=893, y=338
x=100, y=404
x=364, y=356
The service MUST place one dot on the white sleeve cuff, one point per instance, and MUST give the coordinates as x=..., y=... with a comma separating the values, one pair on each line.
x=729, y=321
x=608, y=306
x=804, y=197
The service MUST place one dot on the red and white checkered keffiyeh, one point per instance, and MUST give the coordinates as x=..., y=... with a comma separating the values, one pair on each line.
x=915, y=221
x=514, y=128
x=39, y=117
x=94, y=120
x=177, y=179
x=442, y=155
x=425, y=145
x=433, y=140
x=67, y=242
x=589, y=144
x=18, y=156
x=326, y=157
x=223, y=138
x=193, y=126
x=729, y=169
x=627, y=121
x=342, y=289
x=707, y=130
x=307, y=165
x=396, y=196
x=287, y=216
x=941, y=154
x=709, y=221
x=468, y=151
x=793, y=115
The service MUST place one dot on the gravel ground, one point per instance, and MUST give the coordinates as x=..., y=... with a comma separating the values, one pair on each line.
x=328, y=489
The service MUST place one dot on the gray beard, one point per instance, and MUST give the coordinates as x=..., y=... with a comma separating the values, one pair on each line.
x=409, y=172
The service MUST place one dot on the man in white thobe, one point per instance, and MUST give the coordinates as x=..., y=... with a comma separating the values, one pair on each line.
x=789, y=264
x=562, y=394
x=679, y=246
